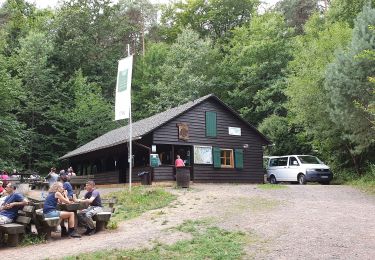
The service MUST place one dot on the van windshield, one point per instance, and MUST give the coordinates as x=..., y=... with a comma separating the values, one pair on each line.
x=308, y=159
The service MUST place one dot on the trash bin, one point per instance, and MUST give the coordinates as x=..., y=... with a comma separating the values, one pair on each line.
x=183, y=177
x=145, y=178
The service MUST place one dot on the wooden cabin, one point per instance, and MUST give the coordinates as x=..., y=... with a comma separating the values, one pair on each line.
x=216, y=144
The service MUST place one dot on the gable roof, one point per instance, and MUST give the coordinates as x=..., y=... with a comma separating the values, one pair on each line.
x=145, y=126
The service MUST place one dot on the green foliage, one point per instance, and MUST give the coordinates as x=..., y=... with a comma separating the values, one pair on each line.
x=207, y=243
x=255, y=67
x=11, y=130
x=187, y=72
x=366, y=182
x=90, y=111
x=148, y=72
x=297, y=12
x=346, y=82
x=38, y=96
x=213, y=18
x=32, y=239
x=139, y=200
x=286, y=136
x=307, y=99
x=58, y=72
x=346, y=10
x=269, y=186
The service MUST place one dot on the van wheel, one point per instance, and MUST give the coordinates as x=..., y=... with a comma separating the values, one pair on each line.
x=301, y=179
x=273, y=180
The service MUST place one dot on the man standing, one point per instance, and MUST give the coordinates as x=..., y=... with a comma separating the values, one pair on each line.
x=12, y=203
x=52, y=177
x=92, y=197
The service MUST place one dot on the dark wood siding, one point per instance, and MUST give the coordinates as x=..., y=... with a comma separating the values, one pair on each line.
x=164, y=173
x=107, y=177
x=135, y=172
x=195, y=118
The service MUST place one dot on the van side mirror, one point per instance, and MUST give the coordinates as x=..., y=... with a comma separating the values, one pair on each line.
x=295, y=163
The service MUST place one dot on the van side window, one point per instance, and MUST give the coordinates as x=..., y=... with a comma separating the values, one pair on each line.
x=293, y=161
x=283, y=161
x=273, y=162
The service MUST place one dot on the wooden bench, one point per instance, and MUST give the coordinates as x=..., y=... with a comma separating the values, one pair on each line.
x=45, y=226
x=102, y=218
x=16, y=230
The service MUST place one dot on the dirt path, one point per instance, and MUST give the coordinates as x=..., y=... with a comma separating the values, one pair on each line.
x=299, y=222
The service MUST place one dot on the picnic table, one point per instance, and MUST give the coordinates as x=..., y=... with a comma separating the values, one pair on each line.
x=74, y=207
x=24, y=175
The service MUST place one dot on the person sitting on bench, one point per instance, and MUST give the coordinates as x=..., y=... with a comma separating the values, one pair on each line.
x=85, y=216
x=12, y=203
x=67, y=186
x=56, y=193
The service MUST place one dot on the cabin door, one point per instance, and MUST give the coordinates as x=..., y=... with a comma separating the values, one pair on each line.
x=186, y=154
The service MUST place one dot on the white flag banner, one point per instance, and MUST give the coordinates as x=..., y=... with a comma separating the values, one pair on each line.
x=123, y=87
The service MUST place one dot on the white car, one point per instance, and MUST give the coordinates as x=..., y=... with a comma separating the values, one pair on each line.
x=297, y=168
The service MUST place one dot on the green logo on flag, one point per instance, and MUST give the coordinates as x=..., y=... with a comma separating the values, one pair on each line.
x=123, y=80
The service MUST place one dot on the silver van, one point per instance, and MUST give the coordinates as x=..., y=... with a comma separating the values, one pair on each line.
x=297, y=168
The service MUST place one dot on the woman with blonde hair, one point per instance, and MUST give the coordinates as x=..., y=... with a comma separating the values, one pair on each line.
x=56, y=195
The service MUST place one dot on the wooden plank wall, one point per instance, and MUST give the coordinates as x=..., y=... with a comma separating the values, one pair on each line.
x=107, y=177
x=164, y=173
x=195, y=118
x=135, y=172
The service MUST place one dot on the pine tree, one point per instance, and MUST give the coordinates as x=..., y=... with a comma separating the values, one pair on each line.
x=347, y=83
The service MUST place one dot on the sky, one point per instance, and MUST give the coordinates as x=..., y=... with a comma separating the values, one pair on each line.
x=53, y=3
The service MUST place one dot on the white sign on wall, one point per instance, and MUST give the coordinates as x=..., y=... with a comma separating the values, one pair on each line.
x=202, y=154
x=234, y=130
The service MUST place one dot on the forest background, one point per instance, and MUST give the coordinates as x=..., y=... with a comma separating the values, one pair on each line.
x=302, y=72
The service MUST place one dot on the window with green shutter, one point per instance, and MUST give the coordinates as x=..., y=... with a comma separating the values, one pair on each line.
x=216, y=157
x=238, y=158
x=211, y=124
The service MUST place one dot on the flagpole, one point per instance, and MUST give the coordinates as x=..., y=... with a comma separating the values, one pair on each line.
x=130, y=139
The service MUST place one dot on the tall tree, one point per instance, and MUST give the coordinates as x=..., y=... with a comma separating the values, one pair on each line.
x=307, y=98
x=12, y=135
x=347, y=82
x=346, y=10
x=297, y=12
x=212, y=18
x=255, y=67
x=40, y=92
x=187, y=73
x=89, y=110
x=148, y=71
x=286, y=136
x=92, y=35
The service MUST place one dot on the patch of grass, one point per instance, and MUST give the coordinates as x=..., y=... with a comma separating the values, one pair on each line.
x=269, y=186
x=32, y=239
x=365, y=182
x=139, y=200
x=208, y=243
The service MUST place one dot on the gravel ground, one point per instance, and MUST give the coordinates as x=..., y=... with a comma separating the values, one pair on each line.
x=299, y=222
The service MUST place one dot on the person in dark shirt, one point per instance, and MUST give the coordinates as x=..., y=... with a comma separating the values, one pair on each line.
x=67, y=186
x=12, y=203
x=55, y=195
x=92, y=197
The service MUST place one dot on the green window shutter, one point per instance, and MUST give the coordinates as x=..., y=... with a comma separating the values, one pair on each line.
x=211, y=124
x=238, y=158
x=216, y=157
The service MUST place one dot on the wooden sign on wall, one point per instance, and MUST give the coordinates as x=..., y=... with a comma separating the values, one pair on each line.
x=183, y=131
